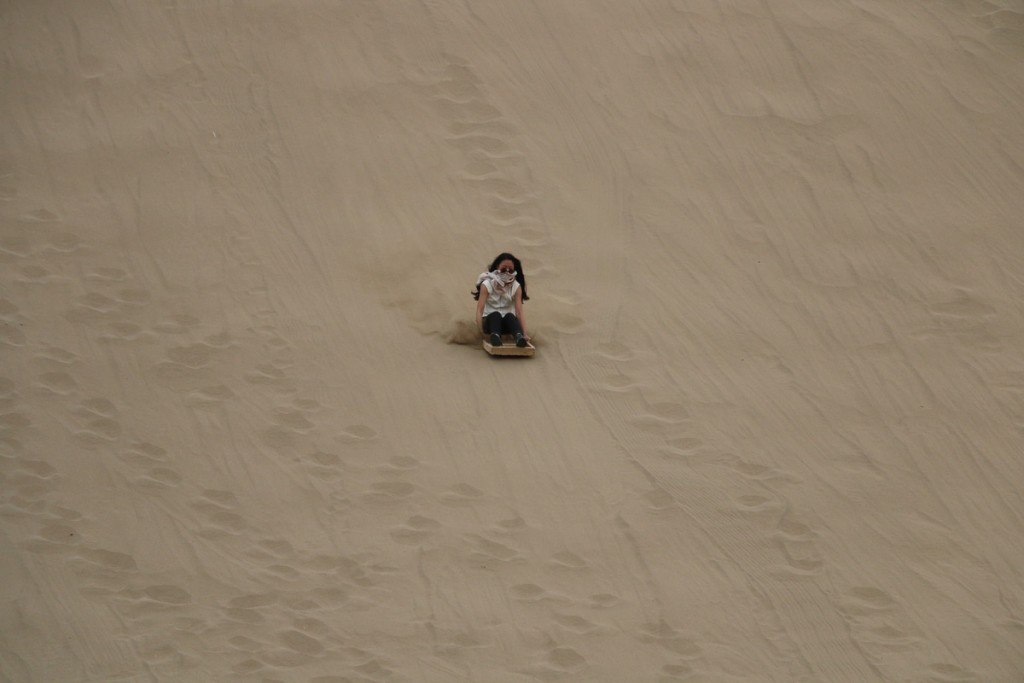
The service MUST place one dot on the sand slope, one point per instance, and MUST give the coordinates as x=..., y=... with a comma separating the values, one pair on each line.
x=773, y=430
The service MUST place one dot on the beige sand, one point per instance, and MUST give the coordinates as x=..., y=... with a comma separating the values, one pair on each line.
x=774, y=427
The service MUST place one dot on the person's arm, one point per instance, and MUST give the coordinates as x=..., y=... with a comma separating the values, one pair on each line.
x=480, y=307
x=519, y=311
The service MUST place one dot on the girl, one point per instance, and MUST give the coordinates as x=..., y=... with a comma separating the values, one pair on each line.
x=500, y=311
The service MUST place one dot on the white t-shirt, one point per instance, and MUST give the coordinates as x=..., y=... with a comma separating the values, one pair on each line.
x=504, y=301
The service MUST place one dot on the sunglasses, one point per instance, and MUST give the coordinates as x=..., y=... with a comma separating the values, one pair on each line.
x=507, y=270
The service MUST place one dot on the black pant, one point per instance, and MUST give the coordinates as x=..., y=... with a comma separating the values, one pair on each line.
x=502, y=324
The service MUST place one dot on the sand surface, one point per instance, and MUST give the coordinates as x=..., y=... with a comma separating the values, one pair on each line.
x=773, y=429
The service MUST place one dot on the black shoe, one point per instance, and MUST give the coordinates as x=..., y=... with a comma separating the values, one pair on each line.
x=520, y=341
x=495, y=339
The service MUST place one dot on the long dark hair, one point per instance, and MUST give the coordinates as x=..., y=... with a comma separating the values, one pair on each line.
x=520, y=276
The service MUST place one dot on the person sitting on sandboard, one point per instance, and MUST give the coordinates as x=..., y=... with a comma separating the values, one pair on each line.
x=501, y=310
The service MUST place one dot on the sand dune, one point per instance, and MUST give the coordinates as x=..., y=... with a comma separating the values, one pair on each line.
x=773, y=430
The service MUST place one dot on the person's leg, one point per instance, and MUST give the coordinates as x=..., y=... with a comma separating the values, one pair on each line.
x=492, y=327
x=492, y=322
x=510, y=325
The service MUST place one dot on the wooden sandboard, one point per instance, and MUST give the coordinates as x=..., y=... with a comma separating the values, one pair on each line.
x=508, y=348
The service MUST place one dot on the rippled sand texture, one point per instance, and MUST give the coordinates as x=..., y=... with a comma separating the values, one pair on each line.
x=774, y=427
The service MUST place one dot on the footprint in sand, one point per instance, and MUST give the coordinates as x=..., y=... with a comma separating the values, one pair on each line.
x=179, y=323
x=16, y=245
x=245, y=644
x=293, y=419
x=660, y=418
x=373, y=670
x=209, y=396
x=7, y=308
x=40, y=216
x=506, y=213
x=246, y=608
x=527, y=236
x=576, y=623
x=603, y=601
x=35, y=274
x=52, y=355
x=35, y=470
x=886, y=637
x=682, y=447
x=290, y=422
x=284, y=658
x=269, y=375
x=14, y=422
x=669, y=411
x=461, y=494
x=664, y=635
x=120, y=332
x=557, y=661
x=528, y=592
x=470, y=109
x=248, y=667
x=962, y=305
x=567, y=323
x=274, y=572
x=217, y=508
x=144, y=454
x=357, y=433
x=98, y=424
x=133, y=297
x=949, y=673
x=511, y=525
x=531, y=592
x=488, y=144
x=103, y=572
x=454, y=644
x=400, y=463
x=253, y=600
x=325, y=466
x=487, y=551
x=568, y=560
x=865, y=600
x=415, y=530
x=107, y=275
x=97, y=562
x=275, y=549
x=158, y=478
x=150, y=601
x=676, y=672
x=301, y=642
x=167, y=594
x=389, y=491
x=28, y=485
x=614, y=351
x=94, y=308
x=566, y=297
x=11, y=334
x=756, y=503
x=311, y=626
x=756, y=472
x=659, y=499
x=801, y=557
x=194, y=356
x=505, y=190
x=617, y=383
x=8, y=391
x=52, y=538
